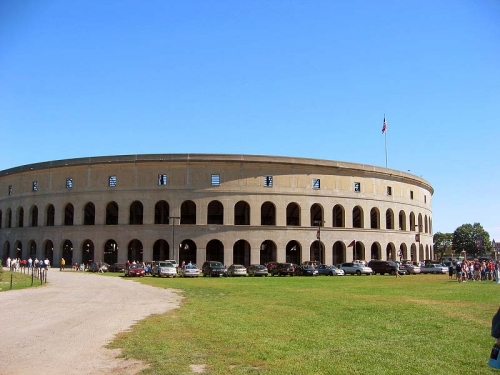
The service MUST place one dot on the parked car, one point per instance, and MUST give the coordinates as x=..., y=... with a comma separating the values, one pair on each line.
x=283, y=269
x=325, y=269
x=94, y=267
x=162, y=268
x=116, y=267
x=257, y=270
x=356, y=269
x=190, y=270
x=174, y=262
x=271, y=265
x=135, y=270
x=434, y=268
x=411, y=268
x=236, y=270
x=383, y=267
x=306, y=270
x=213, y=268
x=314, y=263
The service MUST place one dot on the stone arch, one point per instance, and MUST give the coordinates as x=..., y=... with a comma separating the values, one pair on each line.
x=293, y=252
x=111, y=252
x=215, y=251
x=402, y=220
x=374, y=218
x=33, y=216
x=50, y=215
x=162, y=212
x=215, y=213
x=8, y=218
x=67, y=252
x=389, y=219
x=89, y=214
x=161, y=250
x=241, y=213
x=136, y=211
x=338, y=253
x=268, y=213
x=293, y=214
x=112, y=214
x=188, y=212
x=317, y=251
x=20, y=217
x=5, y=251
x=88, y=252
x=268, y=252
x=187, y=251
x=69, y=214
x=48, y=251
x=403, y=250
x=316, y=212
x=32, y=249
x=241, y=253
x=18, y=247
x=390, y=251
x=135, y=250
x=412, y=222
x=357, y=217
x=375, y=251
x=338, y=216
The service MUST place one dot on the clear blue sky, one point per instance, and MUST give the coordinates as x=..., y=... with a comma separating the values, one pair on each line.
x=292, y=78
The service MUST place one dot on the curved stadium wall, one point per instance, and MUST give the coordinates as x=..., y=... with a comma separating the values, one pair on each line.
x=195, y=207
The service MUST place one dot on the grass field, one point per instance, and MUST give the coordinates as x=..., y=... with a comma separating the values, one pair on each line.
x=16, y=280
x=421, y=324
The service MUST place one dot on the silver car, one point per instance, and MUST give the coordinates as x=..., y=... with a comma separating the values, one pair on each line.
x=163, y=268
x=356, y=269
x=236, y=270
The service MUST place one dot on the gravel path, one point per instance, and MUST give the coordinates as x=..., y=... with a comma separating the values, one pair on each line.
x=62, y=328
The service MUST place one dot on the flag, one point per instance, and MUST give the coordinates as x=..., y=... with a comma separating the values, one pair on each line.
x=384, y=126
x=353, y=243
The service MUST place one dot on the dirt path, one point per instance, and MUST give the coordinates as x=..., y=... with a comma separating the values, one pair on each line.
x=62, y=328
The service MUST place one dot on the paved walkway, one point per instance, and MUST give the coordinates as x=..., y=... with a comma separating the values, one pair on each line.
x=62, y=328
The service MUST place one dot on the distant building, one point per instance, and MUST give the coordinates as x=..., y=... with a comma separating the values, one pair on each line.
x=197, y=207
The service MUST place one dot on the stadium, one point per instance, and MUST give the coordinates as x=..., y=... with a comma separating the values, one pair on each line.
x=246, y=209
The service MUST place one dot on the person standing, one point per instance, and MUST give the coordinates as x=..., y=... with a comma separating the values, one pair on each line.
x=63, y=263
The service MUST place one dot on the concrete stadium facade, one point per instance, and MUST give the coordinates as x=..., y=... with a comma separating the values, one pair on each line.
x=195, y=207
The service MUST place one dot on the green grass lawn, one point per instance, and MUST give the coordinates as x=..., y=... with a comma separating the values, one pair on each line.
x=17, y=280
x=421, y=324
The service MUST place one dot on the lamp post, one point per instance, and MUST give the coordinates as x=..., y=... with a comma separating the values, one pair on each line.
x=318, y=236
x=174, y=249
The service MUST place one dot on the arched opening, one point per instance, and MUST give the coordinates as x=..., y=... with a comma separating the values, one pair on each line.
x=316, y=215
x=339, y=253
x=403, y=252
x=134, y=251
x=51, y=212
x=111, y=252
x=358, y=251
x=293, y=215
x=293, y=252
x=241, y=253
x=67, y=252
x=357, y=217
x=412, y=222
x=88, y=252
x=6, y=251
x=48, y=251
x=162, y=212
x=317, y=251
x=268, y=214
x=187, y=251
x=33, y=216
x=69, y=214
x=20, y=217
x=89, y=214
x=9, y=218
x=112, y=214
x=32, y=249
x=188, y=212
x=161, y=250
x=19, y=249
x=375, y=251
x=374, y=218
x=215, y=251
x=420, y=223
x=389, y=219
x=215, y=213
x=242, y=213
x=402, y=220
x=267, y=252
x=390, y=252
x=338, y=216
x=136, y=213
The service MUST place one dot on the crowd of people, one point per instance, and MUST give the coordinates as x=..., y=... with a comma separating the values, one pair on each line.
x=475, y=270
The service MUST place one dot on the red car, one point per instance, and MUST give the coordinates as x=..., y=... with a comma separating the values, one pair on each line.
x=135, y=270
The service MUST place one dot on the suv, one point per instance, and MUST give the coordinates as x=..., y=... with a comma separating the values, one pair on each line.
x=213, y=268
x=283, y=269
x=383, y=266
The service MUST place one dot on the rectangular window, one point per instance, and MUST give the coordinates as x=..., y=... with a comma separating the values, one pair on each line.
x=268, y=181
x=357, y=187
x=425, y=198
x=35, y=186
x=215, y=179
x=316, y=183
x=10, y=189
x=69, y=183
x=162, y=179
x=411, y=194
x=389, y=190
x=112, y=181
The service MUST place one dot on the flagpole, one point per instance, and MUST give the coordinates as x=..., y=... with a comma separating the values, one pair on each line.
x=385, y=136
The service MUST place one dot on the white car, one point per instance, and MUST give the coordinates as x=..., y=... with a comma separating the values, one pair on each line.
x=434, y=268
x=163, y=268
x=236, y=270
x=190, y=270
x=356, y=269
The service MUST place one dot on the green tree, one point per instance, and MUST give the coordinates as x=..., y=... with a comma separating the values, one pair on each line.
x=472, y=239
x=442, y=243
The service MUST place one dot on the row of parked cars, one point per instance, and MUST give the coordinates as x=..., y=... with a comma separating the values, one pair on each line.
x=170, y=268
